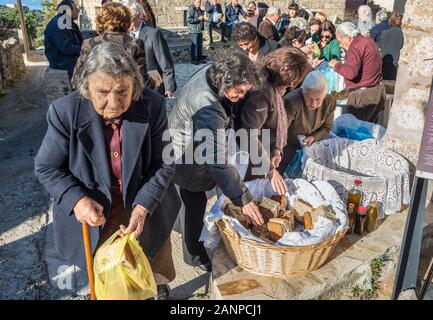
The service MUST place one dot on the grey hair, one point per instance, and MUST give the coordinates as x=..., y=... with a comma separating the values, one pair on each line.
x=113, y=60
x=365, y=9
x=315, y=80
x=272, y=11
x=382, y=15
x=136, y=8
x=301, y=23
x=348, y=29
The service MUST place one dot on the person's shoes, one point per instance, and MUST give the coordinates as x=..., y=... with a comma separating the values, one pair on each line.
x=223, y=40
x=163, y=292
x=203, y=61
x=195, y=62
x=207, y=267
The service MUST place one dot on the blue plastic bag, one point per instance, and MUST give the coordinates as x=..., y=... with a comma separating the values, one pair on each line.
x=349, y=127
x=328, y=72
x=358, y=135
x=335, y=81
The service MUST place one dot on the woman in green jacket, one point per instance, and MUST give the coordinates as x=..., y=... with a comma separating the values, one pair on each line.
x=327, y=42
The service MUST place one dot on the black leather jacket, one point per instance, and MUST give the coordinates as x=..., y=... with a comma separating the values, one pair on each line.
x=199, y=107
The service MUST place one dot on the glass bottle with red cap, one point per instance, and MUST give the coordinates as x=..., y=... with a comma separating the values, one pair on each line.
x=354, y=199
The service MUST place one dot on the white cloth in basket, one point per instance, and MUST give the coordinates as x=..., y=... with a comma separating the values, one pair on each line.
x=316, y=193
x=384, y=173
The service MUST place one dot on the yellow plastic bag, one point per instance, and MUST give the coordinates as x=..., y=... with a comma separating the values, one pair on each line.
x=122, y=271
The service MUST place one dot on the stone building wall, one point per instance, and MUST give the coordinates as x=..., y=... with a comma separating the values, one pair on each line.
x=169, y=13
x=12, y=65
x=414, y=80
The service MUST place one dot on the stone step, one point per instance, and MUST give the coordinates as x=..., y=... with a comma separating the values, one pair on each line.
x=348, y=266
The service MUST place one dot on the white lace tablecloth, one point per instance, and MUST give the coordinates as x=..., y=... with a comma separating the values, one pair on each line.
x=384, y=173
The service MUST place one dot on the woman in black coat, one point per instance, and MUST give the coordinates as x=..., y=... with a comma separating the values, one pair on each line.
x=102, y=162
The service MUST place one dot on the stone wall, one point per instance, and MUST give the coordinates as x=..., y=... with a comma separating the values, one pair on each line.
x=414, y=80
x=56, y=84
x=12, y=65
x=169, y=13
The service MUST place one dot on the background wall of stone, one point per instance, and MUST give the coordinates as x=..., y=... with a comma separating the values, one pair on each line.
x=12, y=65
x=169, y=13
x=414, y=80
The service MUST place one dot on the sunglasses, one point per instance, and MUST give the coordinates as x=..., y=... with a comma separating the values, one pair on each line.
x=325, y=37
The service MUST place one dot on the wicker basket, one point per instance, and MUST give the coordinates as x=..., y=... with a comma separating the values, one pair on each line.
x=275, y=261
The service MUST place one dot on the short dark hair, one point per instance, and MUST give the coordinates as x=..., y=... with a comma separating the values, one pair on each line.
x=245, y=31
x=68, y=3
x=287, y=65
x=293, y=6
x=232, y=68
x=327, y=26
x=294, y=34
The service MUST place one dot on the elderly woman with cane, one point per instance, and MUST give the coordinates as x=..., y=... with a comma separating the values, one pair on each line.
x=101, y=160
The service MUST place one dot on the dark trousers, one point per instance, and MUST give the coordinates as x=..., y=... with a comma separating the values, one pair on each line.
x=219, y=25
x=191, y=221
x=365, y=104
x=196, y=46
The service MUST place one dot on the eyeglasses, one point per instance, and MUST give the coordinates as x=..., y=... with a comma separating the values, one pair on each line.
x=325, y=37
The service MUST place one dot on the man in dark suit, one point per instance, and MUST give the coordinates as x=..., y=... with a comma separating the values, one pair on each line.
x=102, y=162
x=215, y=16
x=63, y=45
x=159, y=63
x=267, y=28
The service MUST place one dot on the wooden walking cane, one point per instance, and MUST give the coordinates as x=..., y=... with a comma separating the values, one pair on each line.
x=89, y=260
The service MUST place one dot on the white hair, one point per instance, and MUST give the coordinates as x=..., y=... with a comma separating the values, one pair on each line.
x=382, y=15
x=299, y=22
x=272, y=11
x=134, y=7
x=347, y=29
x=111, y=59
x=315, y=80
x=365, y=9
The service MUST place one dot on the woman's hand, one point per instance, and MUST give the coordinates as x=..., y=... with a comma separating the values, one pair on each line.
x=276, y=158
x=277, y=182
x=156, y=78
x=306, y=49
x=252, y=213
x=309, y=141
x=333, y=63
x=89, y=211
x=317, y=63
x=136, y=223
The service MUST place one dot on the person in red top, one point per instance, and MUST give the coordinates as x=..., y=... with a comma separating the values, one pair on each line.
x=362, y=72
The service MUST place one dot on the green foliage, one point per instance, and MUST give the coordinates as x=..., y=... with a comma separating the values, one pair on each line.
x=10, y=19
x=376, y=267
x=49, y=9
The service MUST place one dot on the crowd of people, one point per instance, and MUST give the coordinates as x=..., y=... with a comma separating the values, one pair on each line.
x=102, y=158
